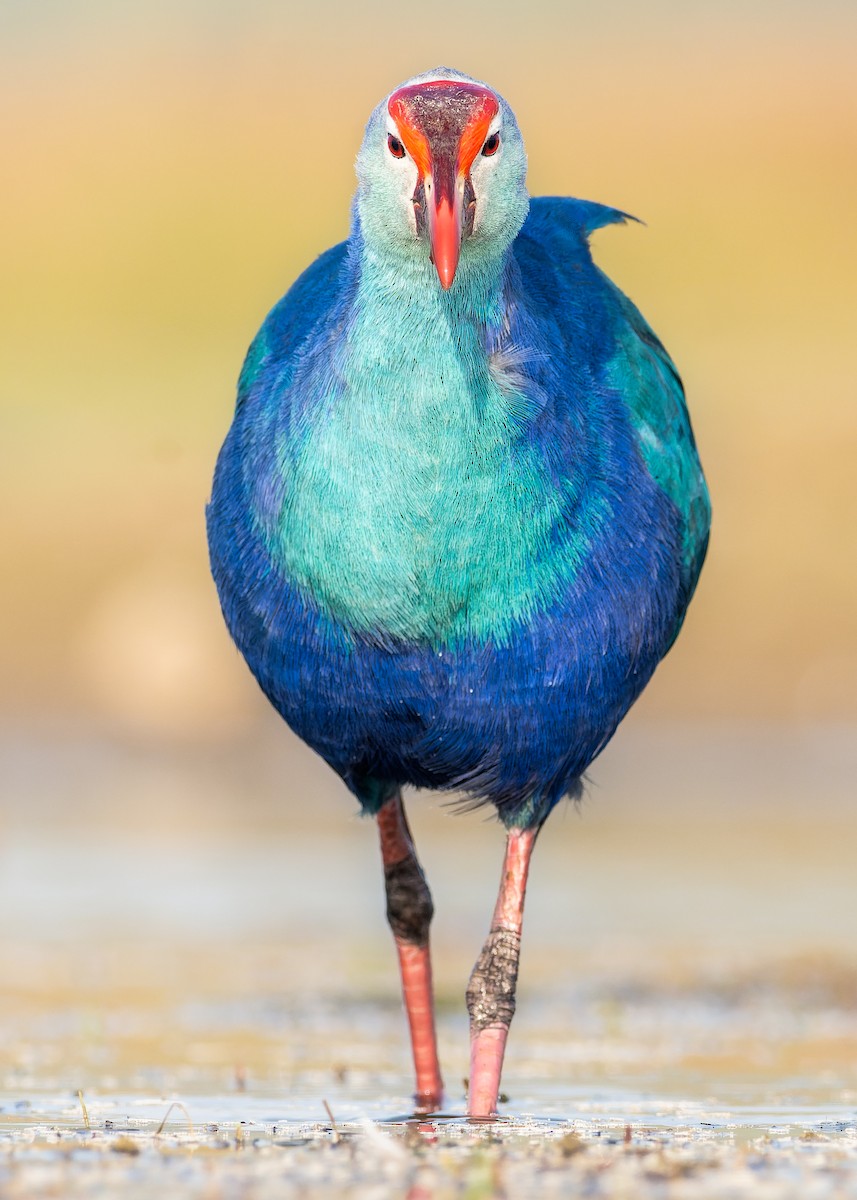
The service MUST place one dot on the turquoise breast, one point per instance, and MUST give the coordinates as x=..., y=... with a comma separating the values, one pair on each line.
x=413, y=506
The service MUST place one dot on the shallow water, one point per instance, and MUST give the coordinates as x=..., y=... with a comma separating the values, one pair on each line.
x=178, y=934
x=617, y=1086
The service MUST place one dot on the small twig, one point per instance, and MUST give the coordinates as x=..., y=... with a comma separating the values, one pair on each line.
x=333, y=1125
x=175, y=1104
x=86, y=1120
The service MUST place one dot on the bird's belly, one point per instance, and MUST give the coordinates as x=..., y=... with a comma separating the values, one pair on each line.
x=514, y=722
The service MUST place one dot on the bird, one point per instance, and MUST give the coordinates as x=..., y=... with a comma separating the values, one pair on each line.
x=459, y=514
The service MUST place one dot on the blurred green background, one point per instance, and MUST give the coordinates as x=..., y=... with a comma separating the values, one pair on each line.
x=170, y=168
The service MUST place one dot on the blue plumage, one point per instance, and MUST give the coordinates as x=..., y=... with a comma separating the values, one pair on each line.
x=459, y=515
x=515, y=712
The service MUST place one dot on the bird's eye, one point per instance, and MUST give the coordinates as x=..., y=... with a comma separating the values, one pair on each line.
x=491, y=145
x=395, y=146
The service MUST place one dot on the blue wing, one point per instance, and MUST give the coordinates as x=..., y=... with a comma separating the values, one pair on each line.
x=309, y=303
x=601, y=327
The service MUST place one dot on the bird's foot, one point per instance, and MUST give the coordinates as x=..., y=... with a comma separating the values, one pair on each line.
x=426, y=1103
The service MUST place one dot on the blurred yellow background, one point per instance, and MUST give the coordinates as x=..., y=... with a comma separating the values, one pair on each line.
x=170, y=168
x=167, y=170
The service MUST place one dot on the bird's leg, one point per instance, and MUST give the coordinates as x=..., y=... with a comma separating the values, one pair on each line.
x=409, y=912
x=491, y=992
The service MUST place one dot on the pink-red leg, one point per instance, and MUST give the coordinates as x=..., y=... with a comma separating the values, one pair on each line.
x=491, y=992
x=409, y=912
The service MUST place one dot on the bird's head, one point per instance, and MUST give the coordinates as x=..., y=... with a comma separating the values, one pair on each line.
x=441, y=173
